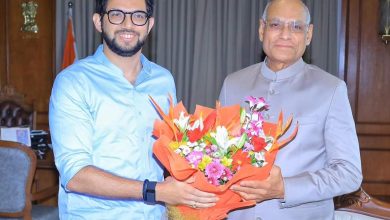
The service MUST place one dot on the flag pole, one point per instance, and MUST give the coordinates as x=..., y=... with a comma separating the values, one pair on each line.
x=70, y=50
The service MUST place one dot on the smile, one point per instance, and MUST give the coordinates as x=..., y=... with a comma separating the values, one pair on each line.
x=127, y=36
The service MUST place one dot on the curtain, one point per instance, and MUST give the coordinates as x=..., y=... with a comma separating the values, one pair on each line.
x=324, y=49
x=87, y=38
x=202, y=41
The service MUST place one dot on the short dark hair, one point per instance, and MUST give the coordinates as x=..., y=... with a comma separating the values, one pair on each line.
x=101, y=7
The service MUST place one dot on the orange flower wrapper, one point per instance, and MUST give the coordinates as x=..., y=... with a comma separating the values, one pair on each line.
x=166, y=132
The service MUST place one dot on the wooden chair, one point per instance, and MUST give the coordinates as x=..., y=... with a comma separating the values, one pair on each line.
x=360, y=205
x=13, y=113
x=18, y=164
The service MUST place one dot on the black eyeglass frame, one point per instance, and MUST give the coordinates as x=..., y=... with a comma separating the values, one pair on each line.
x=127, y=13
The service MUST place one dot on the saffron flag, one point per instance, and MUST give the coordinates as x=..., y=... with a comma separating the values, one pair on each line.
x=70, y=52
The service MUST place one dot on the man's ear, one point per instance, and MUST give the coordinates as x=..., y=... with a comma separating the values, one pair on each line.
x=151, y=24
x=97, y=22
x=261, y=29
x=309, y=34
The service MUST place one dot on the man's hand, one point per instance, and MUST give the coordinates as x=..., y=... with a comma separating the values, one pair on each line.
x=174, y=192
x=270, y=188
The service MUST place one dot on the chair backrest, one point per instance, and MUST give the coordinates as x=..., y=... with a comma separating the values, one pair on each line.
x=360, y=202
x=14, y=114
x=17, y=168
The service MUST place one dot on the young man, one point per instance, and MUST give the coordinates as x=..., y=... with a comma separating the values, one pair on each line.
x=323, y=160
x=101, y=123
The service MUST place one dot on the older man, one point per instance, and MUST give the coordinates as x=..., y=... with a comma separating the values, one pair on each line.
x=323, y=161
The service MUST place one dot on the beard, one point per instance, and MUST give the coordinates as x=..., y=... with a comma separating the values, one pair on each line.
x=120, y=50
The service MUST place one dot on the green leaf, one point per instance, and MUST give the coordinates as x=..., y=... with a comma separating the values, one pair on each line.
x=242, y=115
x=242, y=141
x=210, y=139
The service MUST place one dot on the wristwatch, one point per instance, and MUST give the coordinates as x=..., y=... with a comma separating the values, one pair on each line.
x=149, y=191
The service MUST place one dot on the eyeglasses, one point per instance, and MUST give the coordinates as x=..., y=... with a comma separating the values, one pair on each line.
x=294, y=26
x=117, y=17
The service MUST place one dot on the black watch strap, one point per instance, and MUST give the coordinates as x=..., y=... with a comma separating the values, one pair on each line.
x=149, y=191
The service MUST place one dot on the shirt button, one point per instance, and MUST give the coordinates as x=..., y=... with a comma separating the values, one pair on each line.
x=271, y=91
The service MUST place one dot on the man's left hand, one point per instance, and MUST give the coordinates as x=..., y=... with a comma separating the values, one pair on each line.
x=270, y=188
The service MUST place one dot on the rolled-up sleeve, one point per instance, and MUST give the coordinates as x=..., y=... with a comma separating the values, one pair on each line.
x=342, y=172
x=70, y=127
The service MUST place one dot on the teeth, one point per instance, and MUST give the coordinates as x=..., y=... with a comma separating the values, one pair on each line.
x=128, y=36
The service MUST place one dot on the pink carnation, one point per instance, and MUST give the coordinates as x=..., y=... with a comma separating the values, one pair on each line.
x=214, y=170
x=195, y=157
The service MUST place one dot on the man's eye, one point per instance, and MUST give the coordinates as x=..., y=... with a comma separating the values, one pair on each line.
x=274, y=25
x=115, y=14
x=298, y=27
x=139, y=16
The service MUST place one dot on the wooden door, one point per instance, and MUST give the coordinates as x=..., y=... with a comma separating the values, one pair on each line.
x=367, y=73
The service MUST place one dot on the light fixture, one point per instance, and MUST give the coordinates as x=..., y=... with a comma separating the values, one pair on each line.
x=385, y=21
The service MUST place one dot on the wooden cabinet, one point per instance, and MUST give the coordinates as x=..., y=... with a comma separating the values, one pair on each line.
x=367, y=73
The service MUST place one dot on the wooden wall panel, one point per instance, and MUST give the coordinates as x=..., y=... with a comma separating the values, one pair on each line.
x=374, y=77
x=367, y=73
x=3, y=46
x=31, y=56
x=374, y=162
x=382, y=190
x=374, y=143
x=27, y=64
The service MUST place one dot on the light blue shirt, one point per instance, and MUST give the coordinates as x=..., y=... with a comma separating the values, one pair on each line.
x=97, y=118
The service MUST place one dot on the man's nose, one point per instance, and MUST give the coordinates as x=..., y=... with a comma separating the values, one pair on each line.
x=286, y=31
x=127, y=22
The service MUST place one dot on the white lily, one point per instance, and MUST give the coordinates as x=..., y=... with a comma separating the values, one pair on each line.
x=182, y=122
x=222, y=138
x=260, y=156
x=197, y=124
x=270, y=141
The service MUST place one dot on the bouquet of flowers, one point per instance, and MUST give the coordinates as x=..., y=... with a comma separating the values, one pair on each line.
x=220, y=147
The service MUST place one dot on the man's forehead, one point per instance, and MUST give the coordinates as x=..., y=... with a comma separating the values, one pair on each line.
x=126, y=3
x=287, y=10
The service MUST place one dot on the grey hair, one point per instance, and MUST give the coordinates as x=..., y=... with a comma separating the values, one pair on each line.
x=265, y=13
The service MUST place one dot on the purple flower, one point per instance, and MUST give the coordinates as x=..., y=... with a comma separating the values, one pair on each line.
x=214, y=148
x=256, y=104
x=227, y=174
x=195, y=157
x=214, y=170
x=213, y=181
x=248, y=147
x=251, y=101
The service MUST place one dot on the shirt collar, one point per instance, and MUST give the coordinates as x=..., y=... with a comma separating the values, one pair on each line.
x=145, y=72
x=288, y=72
